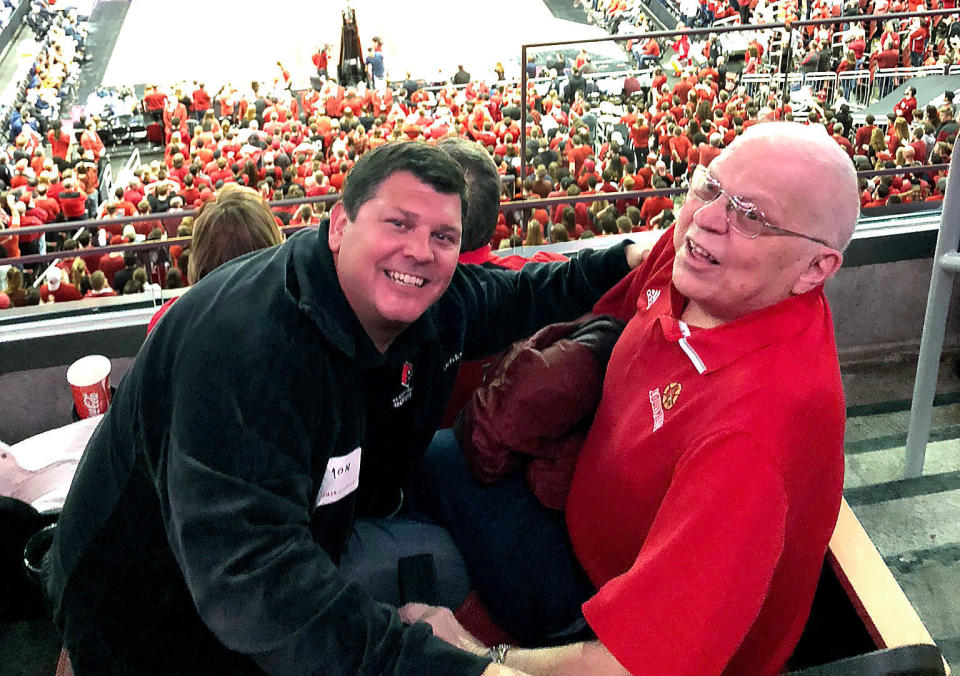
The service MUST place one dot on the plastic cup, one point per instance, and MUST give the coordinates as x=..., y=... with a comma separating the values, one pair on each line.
x=89, y=379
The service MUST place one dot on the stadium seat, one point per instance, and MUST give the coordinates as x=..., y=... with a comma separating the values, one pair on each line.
x=861, y=623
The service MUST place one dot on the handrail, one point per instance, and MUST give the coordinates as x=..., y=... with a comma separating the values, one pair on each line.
x=504, y=206
x=946, y=264
x=106, y=180
x=162, y=216
x=513, y=205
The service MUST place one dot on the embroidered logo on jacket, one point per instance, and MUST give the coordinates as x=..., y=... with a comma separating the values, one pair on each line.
x=652, y=295
x=670, y=394
x=406, y=375
x=657, y=406
x=452, y=360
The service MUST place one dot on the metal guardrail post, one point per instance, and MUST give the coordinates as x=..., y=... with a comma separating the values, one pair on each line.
x=946, y=263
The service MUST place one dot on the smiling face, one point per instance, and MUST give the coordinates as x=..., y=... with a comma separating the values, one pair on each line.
x=396, y=258
x=725, y=275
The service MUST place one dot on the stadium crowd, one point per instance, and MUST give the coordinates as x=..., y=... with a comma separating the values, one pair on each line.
x=289, y=145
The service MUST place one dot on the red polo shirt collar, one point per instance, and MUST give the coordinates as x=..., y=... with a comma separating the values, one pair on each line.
x=717, y=347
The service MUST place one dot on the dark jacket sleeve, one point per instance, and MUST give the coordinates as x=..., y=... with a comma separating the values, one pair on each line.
x=502, y=306
x=237, y=494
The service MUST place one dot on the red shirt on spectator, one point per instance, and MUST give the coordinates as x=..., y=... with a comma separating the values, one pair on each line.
x=10, y=242
x=65, y=292
x=919, y=150
x=680, y=145
x=73, y=204
x=858, y=46
x=862, y=137
x=201, y=100
x=155, y=101
x=905, y=107
x=888, y=58
x=844, y=143
x=49, y=206
x=708, y=154
x=109, y=265
x=918, y=39
x=90, y=140
x=59, y=148
x=653, y=206
x=105, y=292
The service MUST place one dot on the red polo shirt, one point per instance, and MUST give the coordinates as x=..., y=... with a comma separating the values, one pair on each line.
x=710, y=481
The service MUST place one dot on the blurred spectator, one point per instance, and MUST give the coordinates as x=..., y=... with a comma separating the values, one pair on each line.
x=57, y=289
x=14, y=288
x=125, y=274
x=99, y=288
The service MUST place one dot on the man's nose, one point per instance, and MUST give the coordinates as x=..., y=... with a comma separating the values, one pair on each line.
x=713, y=215
x=417, y=245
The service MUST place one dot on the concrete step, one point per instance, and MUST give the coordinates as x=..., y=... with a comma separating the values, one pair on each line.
x=884, y=466
x=914, y=523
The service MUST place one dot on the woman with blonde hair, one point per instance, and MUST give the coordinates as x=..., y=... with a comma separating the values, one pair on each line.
x=900, y=135
x=79, y=277
x=876, y=145
x=534, y=233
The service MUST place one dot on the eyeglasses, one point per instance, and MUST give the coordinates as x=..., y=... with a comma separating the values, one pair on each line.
x=747, y=218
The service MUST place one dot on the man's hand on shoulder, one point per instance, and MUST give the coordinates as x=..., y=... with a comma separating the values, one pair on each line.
x=636, y=254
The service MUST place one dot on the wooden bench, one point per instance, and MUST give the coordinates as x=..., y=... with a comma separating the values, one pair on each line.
x=861, y=621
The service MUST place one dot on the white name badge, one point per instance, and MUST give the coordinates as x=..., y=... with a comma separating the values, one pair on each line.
x=340, y=479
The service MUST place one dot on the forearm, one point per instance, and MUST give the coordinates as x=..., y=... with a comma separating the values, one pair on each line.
x=577, y=658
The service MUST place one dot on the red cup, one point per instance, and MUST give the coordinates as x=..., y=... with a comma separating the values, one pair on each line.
x=89, y=379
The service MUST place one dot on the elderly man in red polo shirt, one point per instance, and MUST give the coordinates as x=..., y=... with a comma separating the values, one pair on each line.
x=709, y=483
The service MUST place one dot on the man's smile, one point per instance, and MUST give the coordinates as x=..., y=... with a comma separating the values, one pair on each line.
x=699, y=253
x=405, y=279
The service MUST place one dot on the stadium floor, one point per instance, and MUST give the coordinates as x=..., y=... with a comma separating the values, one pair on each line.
x=420, y=41
x=914, y=523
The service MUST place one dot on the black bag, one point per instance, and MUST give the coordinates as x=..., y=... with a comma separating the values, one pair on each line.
x=20, y=593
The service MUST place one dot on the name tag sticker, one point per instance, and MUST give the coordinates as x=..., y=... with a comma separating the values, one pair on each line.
x=340, y=479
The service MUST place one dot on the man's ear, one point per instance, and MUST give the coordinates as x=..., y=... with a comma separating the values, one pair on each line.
x=820, y=270
x=338, y=222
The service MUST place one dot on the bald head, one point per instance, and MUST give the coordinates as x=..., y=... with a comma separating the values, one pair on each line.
x=814, y=175
x=767, y=220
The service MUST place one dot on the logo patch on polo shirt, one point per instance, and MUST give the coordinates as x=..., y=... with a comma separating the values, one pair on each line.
x=657, y=405
x=670, y=394
x=652, y=295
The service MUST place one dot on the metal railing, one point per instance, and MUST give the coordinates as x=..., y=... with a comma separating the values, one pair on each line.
x=515, y=205
x=946, y=264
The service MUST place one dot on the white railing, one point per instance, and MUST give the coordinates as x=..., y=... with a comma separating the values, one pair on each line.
x=857, y=86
